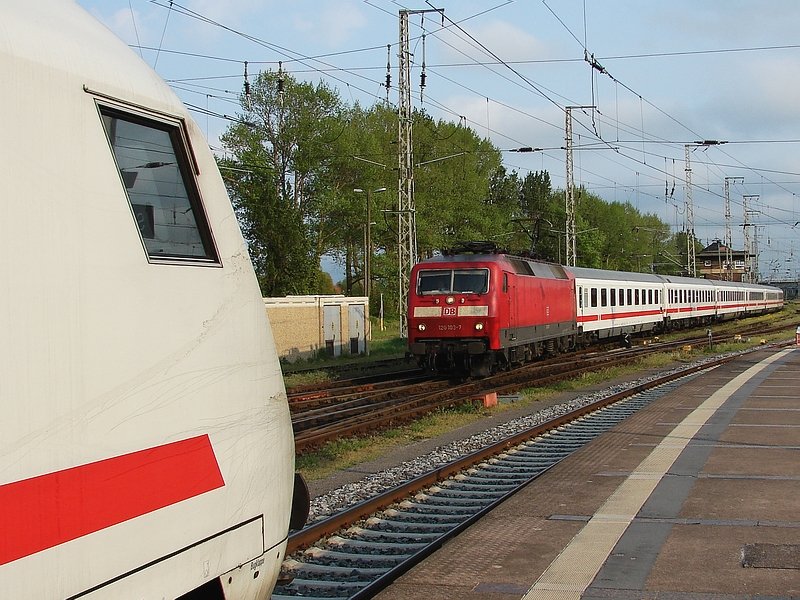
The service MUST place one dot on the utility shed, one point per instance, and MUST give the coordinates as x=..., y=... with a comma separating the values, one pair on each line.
x=305, y=326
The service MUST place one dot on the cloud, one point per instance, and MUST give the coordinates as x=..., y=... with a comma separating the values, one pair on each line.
x=335, y=23
x=505, y=40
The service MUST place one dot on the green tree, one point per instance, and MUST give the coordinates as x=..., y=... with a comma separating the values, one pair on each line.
x=278, y=155
x=460, y=194
x=540, y=217
x=274, y=229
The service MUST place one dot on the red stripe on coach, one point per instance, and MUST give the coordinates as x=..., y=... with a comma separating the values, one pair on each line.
x=48, y=510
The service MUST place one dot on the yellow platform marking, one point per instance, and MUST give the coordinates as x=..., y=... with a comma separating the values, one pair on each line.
x=575, y=568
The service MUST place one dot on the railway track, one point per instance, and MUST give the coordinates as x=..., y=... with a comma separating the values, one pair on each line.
x=322, y=414
x=359, y=551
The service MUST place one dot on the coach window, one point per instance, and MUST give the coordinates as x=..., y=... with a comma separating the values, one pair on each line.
x=621, y=297
x=656, y=297
x=649, y=296
x=154, y=166
x=636, y=297
x=580, y=297
x=630, y=297
x=613, y=293
x=603, y=297
x=594, y=297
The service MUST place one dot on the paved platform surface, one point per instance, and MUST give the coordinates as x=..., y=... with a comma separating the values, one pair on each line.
x=696, y=497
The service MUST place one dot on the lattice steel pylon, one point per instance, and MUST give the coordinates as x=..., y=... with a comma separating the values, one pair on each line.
x=570, y=235
x=406, y=223
x=406, y=213
x=569, y=198
x=728, y=237
x=748, y=242
x=691, y=259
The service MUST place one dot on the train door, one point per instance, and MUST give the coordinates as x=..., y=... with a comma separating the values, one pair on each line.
x=357, y=328
x=332, y=329
x=510, y=292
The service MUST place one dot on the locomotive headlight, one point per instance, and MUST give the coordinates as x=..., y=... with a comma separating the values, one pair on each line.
x=421, y=326
x=450, y=300
x=479, y=326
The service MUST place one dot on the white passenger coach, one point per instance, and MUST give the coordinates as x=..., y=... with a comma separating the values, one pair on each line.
x=612, y=303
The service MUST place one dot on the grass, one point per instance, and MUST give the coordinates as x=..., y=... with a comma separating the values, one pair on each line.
x=346, y=453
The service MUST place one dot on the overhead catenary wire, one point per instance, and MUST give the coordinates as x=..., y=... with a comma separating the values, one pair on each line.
x=644, y=136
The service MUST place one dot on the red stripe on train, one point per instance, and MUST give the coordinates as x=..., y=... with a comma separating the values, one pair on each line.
x=48, y=510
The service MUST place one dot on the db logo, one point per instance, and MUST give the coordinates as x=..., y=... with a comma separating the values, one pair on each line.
x=449, y=311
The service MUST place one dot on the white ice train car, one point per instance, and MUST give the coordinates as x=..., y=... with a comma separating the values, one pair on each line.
x=610, y=303
x=613, y=303
x=146, y=448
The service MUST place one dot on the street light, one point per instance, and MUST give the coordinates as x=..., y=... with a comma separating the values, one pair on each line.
x=368, y=239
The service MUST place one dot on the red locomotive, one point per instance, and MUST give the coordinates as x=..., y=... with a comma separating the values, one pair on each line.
x=477, y=309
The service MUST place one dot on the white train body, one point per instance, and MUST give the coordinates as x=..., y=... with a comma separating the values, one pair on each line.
x=613, y=303
x=610, y=302
x=146, y=446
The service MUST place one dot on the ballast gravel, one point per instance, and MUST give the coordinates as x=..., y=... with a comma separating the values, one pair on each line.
x=373, y=484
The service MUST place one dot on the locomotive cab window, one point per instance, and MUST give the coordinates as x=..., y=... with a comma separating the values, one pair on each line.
x=453, y=281
x=154, y=165
x=471, y=281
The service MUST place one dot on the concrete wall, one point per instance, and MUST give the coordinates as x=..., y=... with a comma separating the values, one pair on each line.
x=304, y=326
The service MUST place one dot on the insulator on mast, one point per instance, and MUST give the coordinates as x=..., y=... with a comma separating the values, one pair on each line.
x=246, y=82
x=280, y=78
x=422, y=75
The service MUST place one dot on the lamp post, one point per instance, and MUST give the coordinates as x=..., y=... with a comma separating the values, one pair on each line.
x=368, y=239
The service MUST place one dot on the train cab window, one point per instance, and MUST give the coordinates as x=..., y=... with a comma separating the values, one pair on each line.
x=471, y=281
x=453, y=281
x=434, y=282
x=154, y=167
x=505, y=282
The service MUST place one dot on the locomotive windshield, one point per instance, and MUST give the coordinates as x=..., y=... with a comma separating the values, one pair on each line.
x=453, y=281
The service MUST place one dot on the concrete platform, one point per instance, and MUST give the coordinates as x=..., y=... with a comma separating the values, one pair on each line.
x=697, y=497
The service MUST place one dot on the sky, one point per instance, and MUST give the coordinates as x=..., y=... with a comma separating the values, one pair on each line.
x=661, y=76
